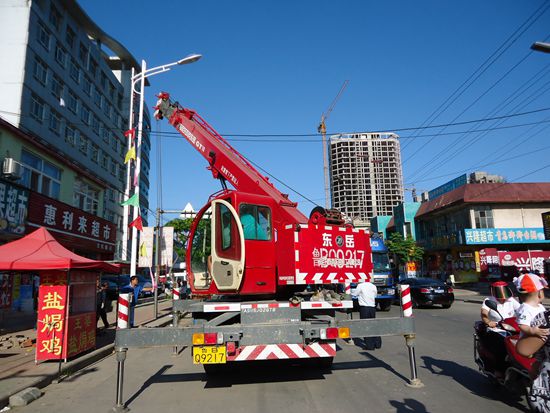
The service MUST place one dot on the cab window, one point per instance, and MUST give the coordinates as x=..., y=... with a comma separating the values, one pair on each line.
x=256, y=222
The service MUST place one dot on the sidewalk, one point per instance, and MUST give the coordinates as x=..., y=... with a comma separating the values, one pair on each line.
x=18, y=370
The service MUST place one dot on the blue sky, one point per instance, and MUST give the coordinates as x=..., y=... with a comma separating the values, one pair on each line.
x=274, y=67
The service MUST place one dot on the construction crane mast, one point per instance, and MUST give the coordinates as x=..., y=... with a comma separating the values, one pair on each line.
x=322, y=129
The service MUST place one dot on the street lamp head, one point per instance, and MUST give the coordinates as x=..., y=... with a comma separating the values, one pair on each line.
x=189, y=59
x=541, y=47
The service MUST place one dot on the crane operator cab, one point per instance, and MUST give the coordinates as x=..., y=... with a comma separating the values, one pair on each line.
x=217, y=248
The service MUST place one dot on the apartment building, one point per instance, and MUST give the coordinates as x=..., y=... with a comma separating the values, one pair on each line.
x=365, y=174
x=66, y=84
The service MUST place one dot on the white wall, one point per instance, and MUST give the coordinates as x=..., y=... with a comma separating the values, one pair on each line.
x=14, y=21
x=517, y=217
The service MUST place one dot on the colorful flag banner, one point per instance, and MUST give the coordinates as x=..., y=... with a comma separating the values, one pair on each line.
x=136, y=175
x=138, y=223
x=131, y=154
x=132, y=201
x=130, y=133
x=143, y=250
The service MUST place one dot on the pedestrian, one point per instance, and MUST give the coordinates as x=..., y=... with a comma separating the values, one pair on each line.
x=135, y=288
x=366, y=298
x=101, y=304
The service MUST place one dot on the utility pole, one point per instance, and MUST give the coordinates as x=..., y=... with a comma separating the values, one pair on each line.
x=157, y=261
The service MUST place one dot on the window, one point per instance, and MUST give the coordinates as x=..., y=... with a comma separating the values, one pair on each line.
x=57, y=86
x=43, y=36
x=83, y=147
x=114, y=143
x=55, y=18
x=483, y=217
x=256, y=222
x=55, y=122
x=103, y=81
x=40, y=175
x=92, y=67
x=70, y=36
x=95, y=153
x=95, y=125
x=85, y=114
x=60, y=55
x=85, y=197
x=74, y=71
x=83, y=54
x=70, y=135
x=37, y=108
x=105, y=161
x=97, y=97
x=107, y=109
x=105, y=133
x=40, y=71
x=72, y=102
x=114, y=168
x=87, y=86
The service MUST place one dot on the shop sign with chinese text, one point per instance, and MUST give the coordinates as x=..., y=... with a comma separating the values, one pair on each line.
x=504, y=236
x=13, y=208
x=80, y=334
x=52, y=307
x=524, y=260
x=93, y=232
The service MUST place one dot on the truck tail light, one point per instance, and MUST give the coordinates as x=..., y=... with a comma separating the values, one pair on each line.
x=213, y=338
x=207, y=338
x=198, y=339
x=328, y=333
x=426, y=290
x=343, y=332
x=231, y=348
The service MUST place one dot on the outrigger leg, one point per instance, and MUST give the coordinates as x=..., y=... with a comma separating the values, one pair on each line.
x=415, y=381
x=120, y=358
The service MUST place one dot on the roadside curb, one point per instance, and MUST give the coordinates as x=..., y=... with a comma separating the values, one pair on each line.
x=74, y=366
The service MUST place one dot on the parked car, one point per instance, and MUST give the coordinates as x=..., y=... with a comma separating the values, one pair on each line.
x=429, y=291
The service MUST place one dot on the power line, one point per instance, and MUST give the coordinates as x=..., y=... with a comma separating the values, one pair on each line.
x=486, y=62
x=475, y=139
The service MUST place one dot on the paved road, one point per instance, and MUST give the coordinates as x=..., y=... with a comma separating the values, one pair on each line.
x=360, y=381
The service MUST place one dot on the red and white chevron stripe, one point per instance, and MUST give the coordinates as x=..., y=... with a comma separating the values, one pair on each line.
x=304, y=305
x=123, y=310
x=177, y=294
x=329, y=278
x=283, y=351
x=406, y=303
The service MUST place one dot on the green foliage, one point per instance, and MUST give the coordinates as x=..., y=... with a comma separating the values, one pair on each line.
x=405, y=249
x=182, y=230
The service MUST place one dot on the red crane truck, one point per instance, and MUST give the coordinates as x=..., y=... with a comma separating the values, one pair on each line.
x=251, y=260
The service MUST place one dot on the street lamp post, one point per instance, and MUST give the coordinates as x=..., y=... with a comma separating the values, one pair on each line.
x=140, y=77
x=541, y=47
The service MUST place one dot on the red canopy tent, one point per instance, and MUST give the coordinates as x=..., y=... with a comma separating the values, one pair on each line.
x=40, y=251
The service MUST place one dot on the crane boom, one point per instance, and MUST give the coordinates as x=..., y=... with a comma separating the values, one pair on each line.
x=322, y=129
x=225, y=163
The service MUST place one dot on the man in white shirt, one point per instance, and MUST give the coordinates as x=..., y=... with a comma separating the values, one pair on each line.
x=366, y=298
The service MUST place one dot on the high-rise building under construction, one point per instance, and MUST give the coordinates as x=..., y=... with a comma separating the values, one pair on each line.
x=365, y=174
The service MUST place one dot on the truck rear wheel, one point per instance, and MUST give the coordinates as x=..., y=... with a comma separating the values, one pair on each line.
x=385, y=305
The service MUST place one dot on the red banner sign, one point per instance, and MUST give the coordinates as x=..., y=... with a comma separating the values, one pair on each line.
x=80, y=334
x=52, y=307
x=524, y=260
x=92, y=231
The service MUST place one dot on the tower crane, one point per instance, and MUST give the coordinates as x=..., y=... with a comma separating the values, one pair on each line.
x=322, y=129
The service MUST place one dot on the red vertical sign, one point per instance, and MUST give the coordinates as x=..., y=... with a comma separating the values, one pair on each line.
x=52, y=307
x=80, y=334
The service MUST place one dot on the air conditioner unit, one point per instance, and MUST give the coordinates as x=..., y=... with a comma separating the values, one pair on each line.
x=11, y=169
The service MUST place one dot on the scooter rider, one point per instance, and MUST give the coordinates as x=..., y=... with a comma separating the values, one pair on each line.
x=507, y=306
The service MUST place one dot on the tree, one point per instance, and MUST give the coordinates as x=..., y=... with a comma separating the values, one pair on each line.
x=405, y=249
x=182, y=230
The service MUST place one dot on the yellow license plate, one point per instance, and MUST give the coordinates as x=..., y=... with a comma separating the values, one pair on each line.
x=209, y=355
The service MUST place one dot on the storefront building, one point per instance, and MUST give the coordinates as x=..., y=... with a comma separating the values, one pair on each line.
x=485, y=231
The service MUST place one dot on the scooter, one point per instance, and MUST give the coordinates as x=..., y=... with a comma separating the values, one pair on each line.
x=511, y=372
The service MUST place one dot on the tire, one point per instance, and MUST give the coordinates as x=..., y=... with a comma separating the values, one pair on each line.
x=446, y=305
x=385, y=306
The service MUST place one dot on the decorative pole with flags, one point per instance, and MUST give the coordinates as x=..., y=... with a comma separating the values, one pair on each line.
x=134, y=154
